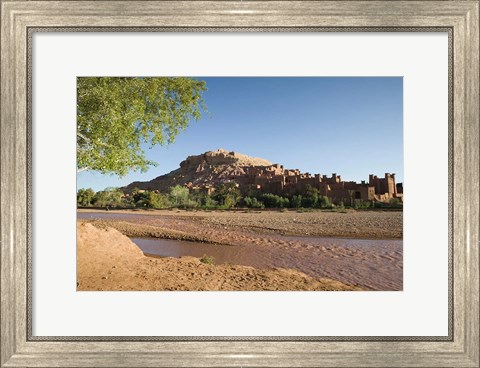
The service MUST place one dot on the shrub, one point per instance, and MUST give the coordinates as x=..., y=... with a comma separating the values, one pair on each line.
x=296, y=201
x=325, y=202
x=158, y=200
x=395, y=202
x=205, y=201
x=179, y=196
x=208, y=259
x=210, y=203
x=149, y=199
x=274, y=201
x=227, y=195
x=310, y=199
x=230, y=201
x=340, y=206
x=252, y=202
x=85, y=197
x=359, y=204
x=111, y=197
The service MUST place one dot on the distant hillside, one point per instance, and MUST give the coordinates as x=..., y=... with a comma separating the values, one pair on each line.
x=208, y=169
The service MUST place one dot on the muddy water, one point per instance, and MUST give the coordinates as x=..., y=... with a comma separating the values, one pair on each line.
x=233, y=254
x=373, y=264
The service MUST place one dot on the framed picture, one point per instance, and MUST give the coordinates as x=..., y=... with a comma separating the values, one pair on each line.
x=387, y=92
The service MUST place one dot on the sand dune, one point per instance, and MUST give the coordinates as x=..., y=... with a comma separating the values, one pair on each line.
x=108, y=260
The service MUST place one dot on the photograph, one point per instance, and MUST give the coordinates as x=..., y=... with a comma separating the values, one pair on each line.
x=239, y=183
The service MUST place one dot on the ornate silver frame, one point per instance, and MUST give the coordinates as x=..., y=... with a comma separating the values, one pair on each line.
x=20, y=19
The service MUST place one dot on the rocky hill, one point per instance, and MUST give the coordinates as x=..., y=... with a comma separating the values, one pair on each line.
x=208, y=169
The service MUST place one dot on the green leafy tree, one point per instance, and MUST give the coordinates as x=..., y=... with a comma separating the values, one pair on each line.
x=158, y=200
x=179, y=196
x=111, y=197
x=150, y=199
x=203, y=200
x=115, y=116
x=252, y=202
x=209, y=203
x=310, y=198
x=296, y=201
x=325, y=202
x=227, y=195
x=274, y=201
x=85, y=197
x=230, y=201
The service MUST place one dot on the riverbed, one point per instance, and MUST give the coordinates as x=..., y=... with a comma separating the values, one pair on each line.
x=375, y=264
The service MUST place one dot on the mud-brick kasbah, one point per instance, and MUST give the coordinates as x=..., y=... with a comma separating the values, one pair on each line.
x=206, y=171
x=277, y=180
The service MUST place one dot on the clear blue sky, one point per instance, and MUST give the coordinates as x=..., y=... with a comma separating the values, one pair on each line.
x=352, y=126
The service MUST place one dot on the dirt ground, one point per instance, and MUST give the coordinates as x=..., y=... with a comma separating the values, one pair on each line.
x=223, y=226
x=108, y=260
x=311, y=242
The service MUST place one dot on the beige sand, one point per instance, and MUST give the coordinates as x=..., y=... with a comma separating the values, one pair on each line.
x=108, y=260
x=217, y=226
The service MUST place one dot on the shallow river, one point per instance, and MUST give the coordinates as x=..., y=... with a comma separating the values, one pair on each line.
x=371, y=263
x=375, y=264
x=241, y=255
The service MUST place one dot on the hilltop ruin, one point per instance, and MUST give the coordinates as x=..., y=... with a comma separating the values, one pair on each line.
x=207, y=171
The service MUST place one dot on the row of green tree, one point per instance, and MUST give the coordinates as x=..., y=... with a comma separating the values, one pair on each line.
x=226, y=196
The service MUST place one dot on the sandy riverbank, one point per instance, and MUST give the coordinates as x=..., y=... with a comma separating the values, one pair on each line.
x=310, y=242
x=108, y=260
x=217, y=226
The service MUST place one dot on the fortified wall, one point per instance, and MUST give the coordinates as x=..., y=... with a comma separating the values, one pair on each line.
x=277, y=180
x=207, y=171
